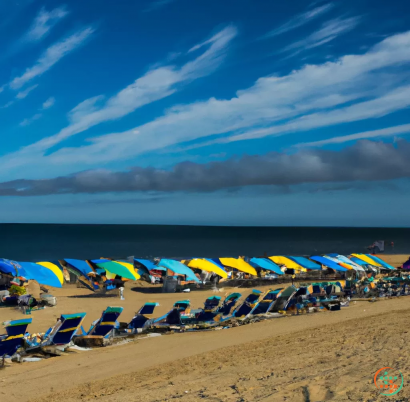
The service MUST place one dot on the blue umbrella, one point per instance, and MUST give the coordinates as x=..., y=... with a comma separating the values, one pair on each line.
x=266, y=264
x=40, y=274
x=12, y=268
x=80, y=266
x=305, y=262
x=178, y=268
x=328, y=263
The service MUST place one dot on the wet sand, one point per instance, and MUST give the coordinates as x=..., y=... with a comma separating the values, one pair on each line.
x=316, y=357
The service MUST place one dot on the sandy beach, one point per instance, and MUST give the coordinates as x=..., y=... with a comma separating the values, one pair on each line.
x=316, y=357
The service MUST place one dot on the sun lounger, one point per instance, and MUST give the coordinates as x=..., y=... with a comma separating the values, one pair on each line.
x=142, y=319
x=104, y=325
x=181, y=309
x=229, y=304
x=249, y=303
x=61, y=334
x=14, y=337
x=266, y=303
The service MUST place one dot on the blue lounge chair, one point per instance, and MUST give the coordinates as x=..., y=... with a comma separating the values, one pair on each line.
x=249, y=303
x=105, y=324
x=179, y=310
x=267, y=302
x=143, y=318
x=14, y=338
x=61, y=333
x=228, y=305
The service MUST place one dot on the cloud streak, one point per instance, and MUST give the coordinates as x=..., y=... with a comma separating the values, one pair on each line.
x=48, y=103
x=299, y=20
x=329, y=31
x=364, y=161
x=44, y=22
x=30, y=120
x=384, y=132
x=52, y=56
x=156, y=84
x=311, y=97
x=25, y=93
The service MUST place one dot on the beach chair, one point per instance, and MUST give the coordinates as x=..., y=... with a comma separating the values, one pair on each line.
x=283, y=300
x=217, y=310
x=60, y=335
x=142, y=319
x=104, y=325
x=212, y=303
x=249, y=303
x=207, y=314
x=228, y=305
x=14, y=337
x=181, y=309
x=266, y=303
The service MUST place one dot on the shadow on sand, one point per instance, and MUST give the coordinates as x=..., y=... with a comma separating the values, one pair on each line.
x=147, y=290
x=94, y=296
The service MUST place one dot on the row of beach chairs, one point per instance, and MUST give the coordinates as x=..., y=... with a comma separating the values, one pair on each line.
x=217, y=311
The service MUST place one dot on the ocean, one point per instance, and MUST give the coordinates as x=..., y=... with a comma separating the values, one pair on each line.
x=36, y=242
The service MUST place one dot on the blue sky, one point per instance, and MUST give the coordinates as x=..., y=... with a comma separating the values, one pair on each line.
x=205, y=112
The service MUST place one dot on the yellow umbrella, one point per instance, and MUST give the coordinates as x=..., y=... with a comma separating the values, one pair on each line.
x=367, y=259
x=287, y=262
x=130, y=268
x=52, y=267
x=239, y=264
x=206, y=265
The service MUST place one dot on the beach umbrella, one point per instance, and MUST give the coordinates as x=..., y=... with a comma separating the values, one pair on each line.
x=79, y=267
x=239, y=264
x=53, y=268
x=206, y=265
x=358, y=261
x=367, y=259
x=380, y=261
x=145, y=266
x=178, y=268
x=11, y=268
x=346, y=260
x=328, y=263
x=40, y=274
x=116, y=268
x=305, y=263
x=287, y=262
x=148, y=264
x=341, y=263
x=264, y=263
x=131, y=268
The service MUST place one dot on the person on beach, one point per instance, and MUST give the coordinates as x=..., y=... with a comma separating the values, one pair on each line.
x=119, y=284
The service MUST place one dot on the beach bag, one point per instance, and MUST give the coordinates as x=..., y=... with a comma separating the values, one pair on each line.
x=50, y=300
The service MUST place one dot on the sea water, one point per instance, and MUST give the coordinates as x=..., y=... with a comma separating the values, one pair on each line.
x=34, y=242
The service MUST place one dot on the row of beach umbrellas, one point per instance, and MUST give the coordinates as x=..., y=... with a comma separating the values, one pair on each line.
x=50, y=273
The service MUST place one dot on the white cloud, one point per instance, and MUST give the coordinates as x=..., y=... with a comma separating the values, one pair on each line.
x=314, y=96
x=8, y=104
x=51, y=56
x=28, y=121
x=23, y=94
x=384, y=132
x=329, y=31
x=44, y=21
x=154, y=85
x=49, y=103
x=299, y=20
